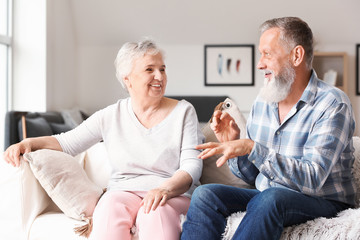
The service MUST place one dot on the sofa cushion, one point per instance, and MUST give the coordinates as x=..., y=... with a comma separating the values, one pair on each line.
x=65, y=181
x=58, y=128
x=211, y=173
x=72, y=117
x=35, y=127
x=97, y=165
x=55, y=225
x=23, y=199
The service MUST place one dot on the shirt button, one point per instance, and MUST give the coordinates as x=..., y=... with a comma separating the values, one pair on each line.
x=278, y=132
x=253, y=161
x=272, y=178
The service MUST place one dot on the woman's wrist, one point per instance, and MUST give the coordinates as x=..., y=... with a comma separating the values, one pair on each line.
x=27, y=143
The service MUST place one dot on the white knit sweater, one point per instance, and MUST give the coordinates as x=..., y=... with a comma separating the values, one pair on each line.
x=141, y=158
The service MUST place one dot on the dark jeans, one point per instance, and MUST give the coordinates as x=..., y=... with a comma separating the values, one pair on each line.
x=267, y=212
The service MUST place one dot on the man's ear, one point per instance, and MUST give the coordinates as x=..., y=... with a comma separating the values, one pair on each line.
x=298, y=55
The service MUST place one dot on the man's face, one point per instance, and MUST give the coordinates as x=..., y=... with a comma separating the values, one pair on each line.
x=275, y=63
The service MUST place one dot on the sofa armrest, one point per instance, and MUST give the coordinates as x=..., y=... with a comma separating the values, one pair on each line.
x=23, y=199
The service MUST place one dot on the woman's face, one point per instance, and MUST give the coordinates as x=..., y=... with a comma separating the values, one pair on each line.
x=148, y=77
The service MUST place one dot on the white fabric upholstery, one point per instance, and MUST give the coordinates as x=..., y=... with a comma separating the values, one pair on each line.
x=54, y=226
x=96, y=166
x=22, y=200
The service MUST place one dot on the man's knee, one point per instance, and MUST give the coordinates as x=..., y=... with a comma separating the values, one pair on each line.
x=272, y=198
x=203, y=194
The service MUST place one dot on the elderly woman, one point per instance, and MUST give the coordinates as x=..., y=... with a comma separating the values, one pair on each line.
x=150, y=141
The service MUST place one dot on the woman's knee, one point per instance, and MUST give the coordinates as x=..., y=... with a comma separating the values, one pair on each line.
x=117, y=204
x=115, y=215
x=162, y=223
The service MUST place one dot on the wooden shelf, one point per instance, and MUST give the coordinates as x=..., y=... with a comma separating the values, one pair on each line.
x=337, y=61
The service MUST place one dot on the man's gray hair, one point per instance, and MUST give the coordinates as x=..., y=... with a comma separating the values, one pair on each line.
x=128, y=53
x=293, y=32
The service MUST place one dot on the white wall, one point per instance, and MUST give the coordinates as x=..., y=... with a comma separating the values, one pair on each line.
x=82, y=72
x=186, y=76
x=98, y=86
x=62, y=81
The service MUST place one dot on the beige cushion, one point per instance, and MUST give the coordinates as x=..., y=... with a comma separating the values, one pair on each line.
x=65, y=182
x=211, y=173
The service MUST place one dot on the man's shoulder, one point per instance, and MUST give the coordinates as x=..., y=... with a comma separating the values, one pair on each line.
x=329, y=93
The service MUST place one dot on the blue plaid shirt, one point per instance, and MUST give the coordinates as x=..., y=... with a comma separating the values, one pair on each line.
x=310, y=152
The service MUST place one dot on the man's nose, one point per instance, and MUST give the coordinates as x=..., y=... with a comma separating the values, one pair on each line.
x=260, y=64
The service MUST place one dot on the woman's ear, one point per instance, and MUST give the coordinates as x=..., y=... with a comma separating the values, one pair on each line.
x=127, y=82
x=298, y=54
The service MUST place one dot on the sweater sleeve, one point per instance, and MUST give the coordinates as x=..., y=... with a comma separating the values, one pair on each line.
x=192, y=136
x=83, y=136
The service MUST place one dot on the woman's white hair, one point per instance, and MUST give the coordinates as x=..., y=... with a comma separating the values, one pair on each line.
x=128, y=53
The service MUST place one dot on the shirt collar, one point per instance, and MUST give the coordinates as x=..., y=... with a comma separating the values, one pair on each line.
x=310, y=91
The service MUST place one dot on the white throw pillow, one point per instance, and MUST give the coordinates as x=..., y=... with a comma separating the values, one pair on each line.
x=97, y=165
x=65, y=181
x=211, y=173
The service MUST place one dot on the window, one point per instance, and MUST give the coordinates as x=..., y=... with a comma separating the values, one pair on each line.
x=5, y=60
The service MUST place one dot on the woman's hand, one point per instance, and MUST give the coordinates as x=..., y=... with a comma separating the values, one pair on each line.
x=154, y=198
x=13, y=153
x=229, y=149
x=224, y=127
x=178, y=184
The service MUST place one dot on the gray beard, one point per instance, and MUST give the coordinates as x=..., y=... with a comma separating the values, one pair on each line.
x=279, y=87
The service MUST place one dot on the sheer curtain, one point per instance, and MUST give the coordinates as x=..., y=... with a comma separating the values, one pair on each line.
x=5, y=62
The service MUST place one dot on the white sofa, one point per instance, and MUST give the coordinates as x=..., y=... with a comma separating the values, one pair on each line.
x=27, y=212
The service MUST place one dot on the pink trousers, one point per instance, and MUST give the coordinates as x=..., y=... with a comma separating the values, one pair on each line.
x=118, y=211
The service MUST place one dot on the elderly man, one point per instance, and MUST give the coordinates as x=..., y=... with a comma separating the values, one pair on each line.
x=298, y=152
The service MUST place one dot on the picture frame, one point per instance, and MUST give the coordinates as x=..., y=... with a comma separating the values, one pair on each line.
x=357, y=69
x=229, y=65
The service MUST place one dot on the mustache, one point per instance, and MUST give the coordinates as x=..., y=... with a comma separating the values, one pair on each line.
x=266, y=71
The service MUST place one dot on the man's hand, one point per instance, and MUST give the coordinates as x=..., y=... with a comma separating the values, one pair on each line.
x=224, y=127
x=229, y=149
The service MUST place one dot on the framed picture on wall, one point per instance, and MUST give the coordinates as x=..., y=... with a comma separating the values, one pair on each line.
x=357, y=69
x=229, y=65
